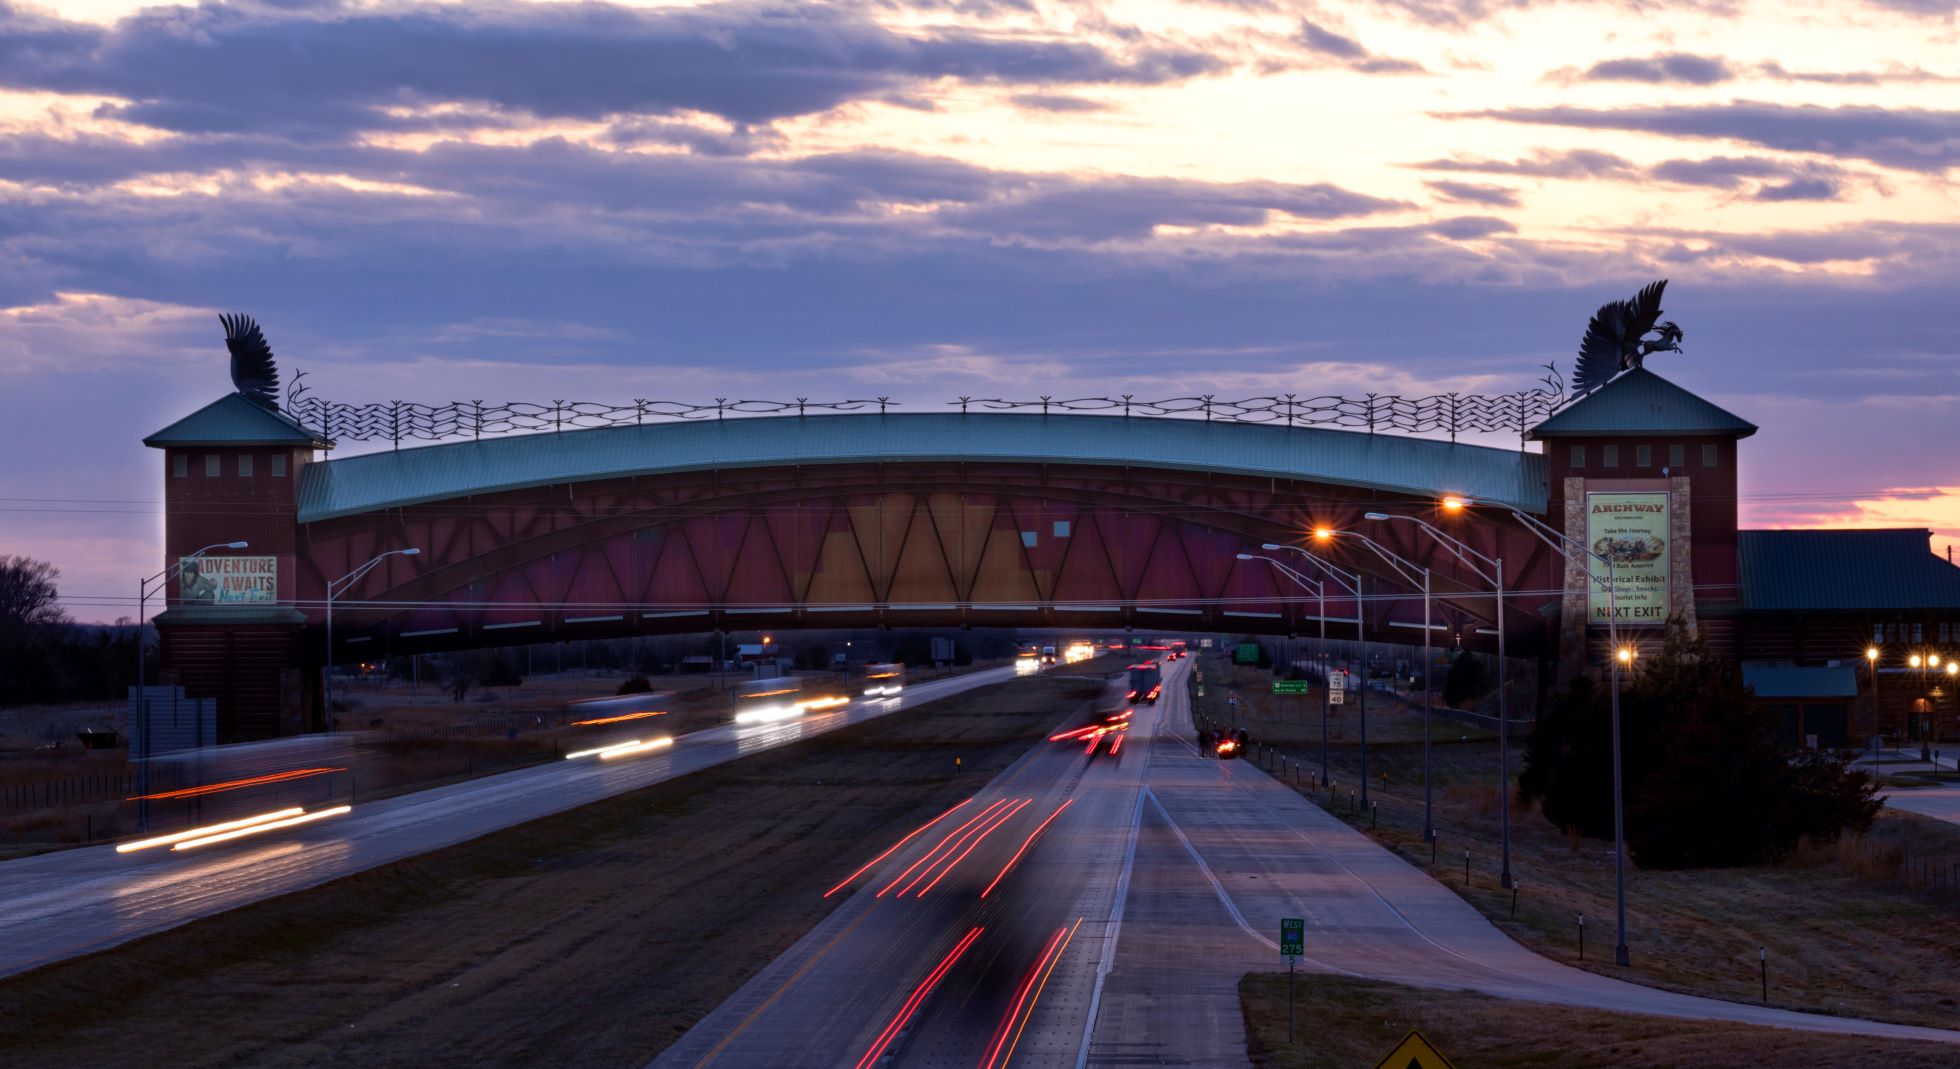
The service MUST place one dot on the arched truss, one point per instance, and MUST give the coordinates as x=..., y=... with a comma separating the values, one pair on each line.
x=928, y=544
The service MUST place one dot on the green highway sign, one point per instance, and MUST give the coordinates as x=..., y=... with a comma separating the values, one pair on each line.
x=1246, y=653
x=1289, y=686
x=1292, y=936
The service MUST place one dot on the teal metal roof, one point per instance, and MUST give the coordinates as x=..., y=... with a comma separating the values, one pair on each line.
x=1416, y=466
x=1845, y=570
x=234, y=420
x=1792, y=681
x=1641, y=402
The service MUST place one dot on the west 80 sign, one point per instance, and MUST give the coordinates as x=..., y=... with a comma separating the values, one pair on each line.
x=1630, y=529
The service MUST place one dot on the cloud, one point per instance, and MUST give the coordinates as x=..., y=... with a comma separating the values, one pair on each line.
x=1056, y=102
x=328, y=71
x=1472, y=193
x=1766, y=179
x=1544, y=163
x=1350, y=52
x=1891, y=75
x=1914, y=139
x=1668, y=68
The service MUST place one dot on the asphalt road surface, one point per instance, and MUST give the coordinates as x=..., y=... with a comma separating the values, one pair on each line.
x=1940, y=803
x=58, y=905
x=1120, y=938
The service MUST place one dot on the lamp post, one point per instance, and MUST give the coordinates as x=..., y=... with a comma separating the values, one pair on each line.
x=1918, y=661
x=1871, y=660
x=1410, y=573
x=1952, y=679
x=144, y=588
x=1351, y=581
x=341, y=586
x=1583, y=557
x=1477, y=563
x=1319, y=590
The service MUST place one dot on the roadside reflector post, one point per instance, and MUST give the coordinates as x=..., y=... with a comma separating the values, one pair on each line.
x=1514, y=900
x=1762, y=955
x=1466, y=868
x=1582, y=937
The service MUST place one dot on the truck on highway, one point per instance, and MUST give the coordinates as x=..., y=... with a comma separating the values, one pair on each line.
x=1146, y=682
x=1047, y=655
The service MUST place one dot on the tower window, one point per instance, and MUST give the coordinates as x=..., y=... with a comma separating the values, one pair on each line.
x=278, y=465
x=180, y=466
x=1578, y=456
x=1609, y=456
x=1709, y=456
x=1677, y=456
x=244, y=465
x=1643, y=456
x=210, y=465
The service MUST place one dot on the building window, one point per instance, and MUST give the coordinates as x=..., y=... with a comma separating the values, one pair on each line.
x=1709, y=457
x=244, y=465
x=278, y=465
x=1028, y=538
x=1677, y=456
x=1578, y=456
x=1946, y=632
x=1609, y=456
x=1061, y=528
x=1917, y=634
x=210, y=465
x=1878, y=634
x=1643, y=456
x=180, y=466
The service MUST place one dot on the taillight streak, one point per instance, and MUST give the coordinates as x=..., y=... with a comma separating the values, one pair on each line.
x=977, y=840
x=918, y=996
x=1044, y=967
x=971, y=821
x=1025, y=843
x=1072, y=734
x=894, y=849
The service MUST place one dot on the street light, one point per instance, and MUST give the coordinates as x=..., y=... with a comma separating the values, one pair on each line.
x=341, y=586
x=1353, y=583
x=1319, y=590
x=1579, y=554
x=1410, y=573
x=143, y=591
x=1477, y=563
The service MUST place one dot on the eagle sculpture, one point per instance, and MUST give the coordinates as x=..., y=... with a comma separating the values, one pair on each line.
x=252, y=369
x=1617, y=338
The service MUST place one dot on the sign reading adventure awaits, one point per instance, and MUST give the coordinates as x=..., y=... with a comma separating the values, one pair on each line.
x=1630, y=529
x=228, y=580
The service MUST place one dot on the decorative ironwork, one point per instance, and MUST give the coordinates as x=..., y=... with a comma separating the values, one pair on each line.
x=1452, y=414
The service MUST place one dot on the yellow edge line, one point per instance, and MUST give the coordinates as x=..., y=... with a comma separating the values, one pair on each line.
x=1063, y=949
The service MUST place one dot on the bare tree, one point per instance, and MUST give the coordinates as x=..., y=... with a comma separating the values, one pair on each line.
x=27, y=594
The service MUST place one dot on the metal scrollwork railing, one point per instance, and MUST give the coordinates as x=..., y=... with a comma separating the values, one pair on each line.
x=1451, y=414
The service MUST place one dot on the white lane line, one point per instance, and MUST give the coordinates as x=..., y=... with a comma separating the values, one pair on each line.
x=1112, y=928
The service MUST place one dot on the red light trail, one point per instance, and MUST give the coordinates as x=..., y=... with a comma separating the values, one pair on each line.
x=918, y=996
x=1025, y=843
x=236, y=784
x=971, y=821
x=1001, y=1051
x=895, y=847
x=617, y=719
x=981, y=837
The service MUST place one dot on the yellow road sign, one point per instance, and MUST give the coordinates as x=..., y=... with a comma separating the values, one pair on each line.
x=1414, y=1052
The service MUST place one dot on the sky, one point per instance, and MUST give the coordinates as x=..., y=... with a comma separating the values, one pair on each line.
x=925, y=199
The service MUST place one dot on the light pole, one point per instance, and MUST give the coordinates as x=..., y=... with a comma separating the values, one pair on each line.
x=1952, y=679
x=144, y=589
x=1319, y=590
x=1871, y=658
x=1410, y=573
x=1477, y=563
x=1351, y=581
x=1926, y=725
x=1578, y=554
x=341, y=586
x=1919, y=662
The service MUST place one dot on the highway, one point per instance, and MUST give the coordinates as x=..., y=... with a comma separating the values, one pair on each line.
x=1121, y=937
x=949, y=950
x=58, y=905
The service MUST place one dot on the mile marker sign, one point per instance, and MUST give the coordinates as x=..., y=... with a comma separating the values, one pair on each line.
x=1292, y=936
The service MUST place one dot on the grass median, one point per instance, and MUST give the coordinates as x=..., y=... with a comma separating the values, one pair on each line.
x=590, y=938
x=1340, y=1023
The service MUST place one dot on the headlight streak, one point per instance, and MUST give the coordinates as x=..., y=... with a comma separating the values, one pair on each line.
x=232, y=785
x=989, y=830
x=768, y=715
x=632, y=748
x=918, y=996
x=830, y=702
x=1025, y=843
x=616, y=719
x=936, y=847
x=894, y=848
x=193, y=833
x=239, y=833
x=575, y=754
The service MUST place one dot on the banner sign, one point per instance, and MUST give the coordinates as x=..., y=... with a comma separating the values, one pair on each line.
x=228, y=580
x=1630, y=529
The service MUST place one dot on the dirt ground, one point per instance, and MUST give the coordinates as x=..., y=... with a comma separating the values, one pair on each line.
x=591, y=938
x=1341, y=1024
x=1851, y=928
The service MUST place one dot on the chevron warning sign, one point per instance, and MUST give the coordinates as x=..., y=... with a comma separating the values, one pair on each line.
x=1414, y=1052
